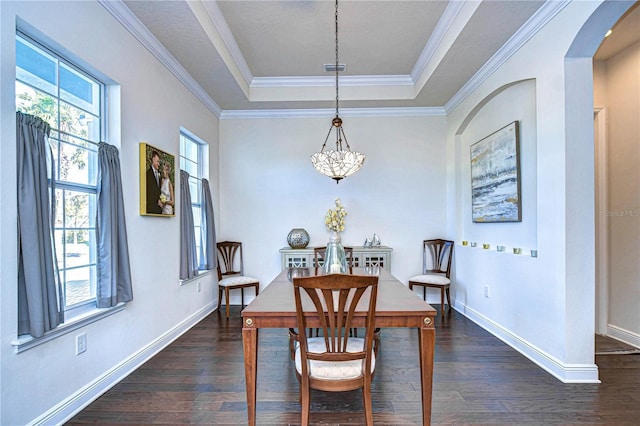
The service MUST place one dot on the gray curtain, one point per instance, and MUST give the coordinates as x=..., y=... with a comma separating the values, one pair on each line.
x=114, y=271
x=188, y=260
x=208, y=257
x=40, y=302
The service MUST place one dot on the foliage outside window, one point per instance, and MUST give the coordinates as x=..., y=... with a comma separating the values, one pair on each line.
x=70, y=100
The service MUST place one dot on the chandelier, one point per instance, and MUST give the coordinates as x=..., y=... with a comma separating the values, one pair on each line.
x=337, y=163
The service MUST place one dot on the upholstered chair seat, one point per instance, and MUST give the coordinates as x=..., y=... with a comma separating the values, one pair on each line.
x=334, y=370
x=238, y=280
x=431, y=279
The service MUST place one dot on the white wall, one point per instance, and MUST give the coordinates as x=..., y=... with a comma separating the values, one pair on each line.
x=514, y=103
x=544, y=306
x=268, y=186
x=477, y=268
x=618, y=85
x=48, y=382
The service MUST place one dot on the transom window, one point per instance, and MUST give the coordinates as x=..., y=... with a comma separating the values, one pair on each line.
x=71, y=101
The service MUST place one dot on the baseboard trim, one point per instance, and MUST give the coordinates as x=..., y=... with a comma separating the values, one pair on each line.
x=566, y=373
x=625, y=336
x=73, y=404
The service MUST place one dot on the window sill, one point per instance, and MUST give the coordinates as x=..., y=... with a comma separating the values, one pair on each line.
x=25, y=342
x=201, y=273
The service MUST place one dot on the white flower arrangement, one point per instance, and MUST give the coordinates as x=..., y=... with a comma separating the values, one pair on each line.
x=335, y=217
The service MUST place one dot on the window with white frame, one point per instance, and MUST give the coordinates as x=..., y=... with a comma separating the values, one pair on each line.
x=71, y=101
x=191, y=161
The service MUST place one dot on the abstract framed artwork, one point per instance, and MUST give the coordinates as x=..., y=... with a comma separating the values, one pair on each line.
x=495, y=177
x=157, y=182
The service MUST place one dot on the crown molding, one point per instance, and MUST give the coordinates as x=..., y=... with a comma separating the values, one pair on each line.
x=530, y=28
x=329, y=112
x=130, y=22
x=215, y=26
x=450, y=15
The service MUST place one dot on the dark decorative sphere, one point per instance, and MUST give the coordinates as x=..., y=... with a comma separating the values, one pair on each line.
x=298, y=238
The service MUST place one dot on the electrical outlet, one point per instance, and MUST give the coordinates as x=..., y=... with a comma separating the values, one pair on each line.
x=199, y=287
x=81, y=343
x=486, y=291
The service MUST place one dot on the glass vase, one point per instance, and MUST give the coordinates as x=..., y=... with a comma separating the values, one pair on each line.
x=335, y=259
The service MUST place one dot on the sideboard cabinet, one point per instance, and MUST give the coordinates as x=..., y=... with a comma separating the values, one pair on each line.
x=362, y=257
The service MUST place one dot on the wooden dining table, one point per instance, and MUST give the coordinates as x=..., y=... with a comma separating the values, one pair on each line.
x=397, y=306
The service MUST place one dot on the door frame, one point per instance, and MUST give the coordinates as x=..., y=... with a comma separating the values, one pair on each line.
x=601, y=221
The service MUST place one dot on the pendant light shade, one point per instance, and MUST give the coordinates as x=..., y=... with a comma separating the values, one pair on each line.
x=337, y=163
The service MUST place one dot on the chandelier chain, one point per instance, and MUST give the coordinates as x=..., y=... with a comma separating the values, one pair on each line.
x=338, y=163
x=337, y=93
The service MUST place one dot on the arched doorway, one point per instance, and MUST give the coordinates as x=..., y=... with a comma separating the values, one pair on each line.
x=616, y=71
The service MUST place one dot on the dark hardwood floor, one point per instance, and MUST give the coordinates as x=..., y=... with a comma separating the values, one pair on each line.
x=478, y=380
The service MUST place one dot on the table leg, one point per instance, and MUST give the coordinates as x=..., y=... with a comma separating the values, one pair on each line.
x=426, y=341
x=250, y=344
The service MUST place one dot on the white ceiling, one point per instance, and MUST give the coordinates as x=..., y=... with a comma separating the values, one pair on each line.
x=263, y=54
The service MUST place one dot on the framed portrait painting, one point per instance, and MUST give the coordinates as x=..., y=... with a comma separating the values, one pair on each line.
x=495, y=177
x=157, y=182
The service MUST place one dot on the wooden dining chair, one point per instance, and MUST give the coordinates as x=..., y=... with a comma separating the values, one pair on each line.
x=436, y=269
x=231, y=272
x=335, y=362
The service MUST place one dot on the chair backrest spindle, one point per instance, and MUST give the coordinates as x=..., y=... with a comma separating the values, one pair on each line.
x=437, y=256
x=230, y=264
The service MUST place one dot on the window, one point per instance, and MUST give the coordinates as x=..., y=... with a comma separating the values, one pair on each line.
x=71, y=101
x=192, y=161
